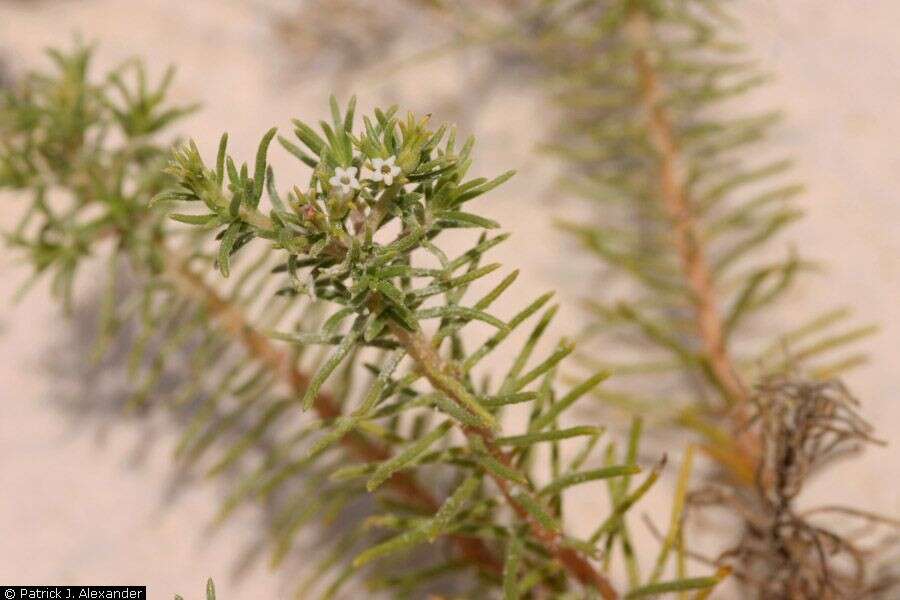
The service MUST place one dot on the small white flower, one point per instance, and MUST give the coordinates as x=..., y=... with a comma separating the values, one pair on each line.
x=345, y=180
x=381, y=169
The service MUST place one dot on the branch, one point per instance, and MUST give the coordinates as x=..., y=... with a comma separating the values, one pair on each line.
x=742, y=458
x=694, y=265
x=436, y=370
x=258, y=346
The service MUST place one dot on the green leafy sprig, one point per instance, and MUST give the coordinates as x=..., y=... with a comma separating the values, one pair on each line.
x=363, y=236
x=689, y=202
x=421, y=444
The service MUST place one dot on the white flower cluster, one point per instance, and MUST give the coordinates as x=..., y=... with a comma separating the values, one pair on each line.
x=376, y=170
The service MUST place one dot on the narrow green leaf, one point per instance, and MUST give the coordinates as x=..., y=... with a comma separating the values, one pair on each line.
x=220, y=159
x=527, y=348
x=330, y=365
x=375, y=393
x=351, y=472
x=511, y=567
x=465, y=219
x=228, y=241
x=679, y=585
x=529, y=439
x=482, y=189
x=458, y=412
x=173, y=195
x=389, y=291
x=537, y=510
x=830, y=343
x=451, y=284
x=612, y=521
x=460, y=312
x=409, y=454
x=497, y=338
x=399, y=543
x=200, y=220
x=474, y=253
x=580, y=477
x=335, y=112
x=584, y=453
x=349, y=114
x=297, y=152
x=277, y=204
x=498, y=469
x=259, y=172
x=545, y=419
x=458, y=392
x=309, y=137
x=721, y=574
x=634, y=439
x=675, y=522
x=452, y=506
x=504, y=399
x=564, y=348
x=656, y=333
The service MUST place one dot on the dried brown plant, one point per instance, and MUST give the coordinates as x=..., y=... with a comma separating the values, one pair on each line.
x=803, y=427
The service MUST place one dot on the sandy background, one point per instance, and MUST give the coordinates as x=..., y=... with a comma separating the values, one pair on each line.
x=81, y=503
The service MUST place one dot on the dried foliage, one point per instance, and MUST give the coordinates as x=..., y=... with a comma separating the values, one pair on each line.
x=804, y=426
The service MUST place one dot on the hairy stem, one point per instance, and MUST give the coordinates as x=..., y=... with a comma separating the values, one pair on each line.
x=673, y=191
x=437, y=371
x=742, y=457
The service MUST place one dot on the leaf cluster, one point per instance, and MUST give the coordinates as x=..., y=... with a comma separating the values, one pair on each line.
x=85, y=152
x=370, y=248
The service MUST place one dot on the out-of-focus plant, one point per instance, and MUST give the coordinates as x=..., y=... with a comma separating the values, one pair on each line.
x=487, y=42
x=350, y=34
x=419, y=455
x=688, y=203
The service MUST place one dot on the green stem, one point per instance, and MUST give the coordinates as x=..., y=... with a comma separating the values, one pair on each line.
x=441, y=375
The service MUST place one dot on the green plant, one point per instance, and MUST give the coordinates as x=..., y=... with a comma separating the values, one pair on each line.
x=352, y=307
x=420, y=445
x=369, y=247
x=688, y=205
x=688, y=210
